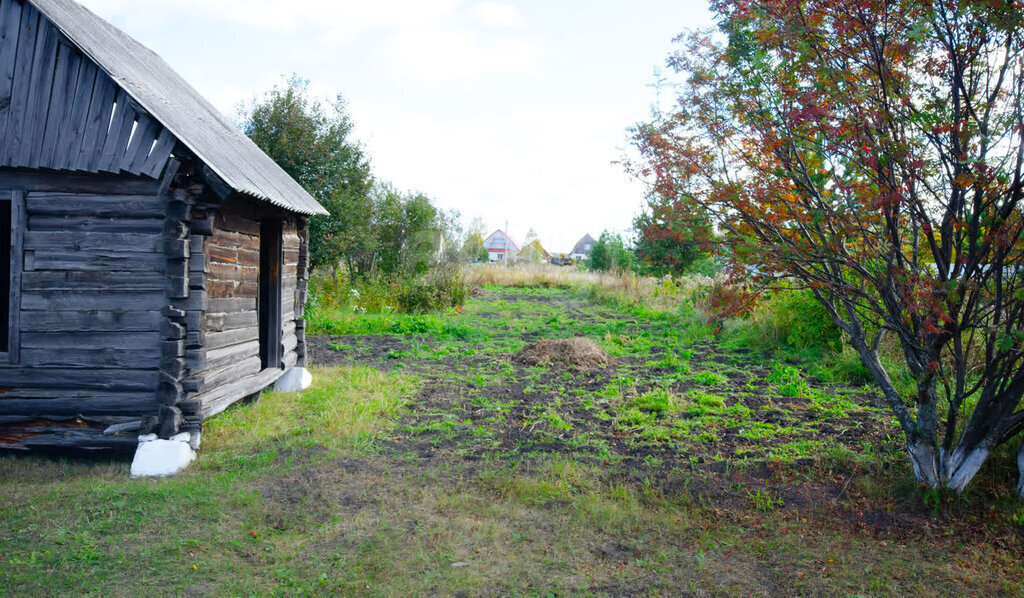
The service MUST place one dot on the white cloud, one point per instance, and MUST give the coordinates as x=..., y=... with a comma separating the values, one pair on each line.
x=498, y=15
x=442, y=56
x=339, y=19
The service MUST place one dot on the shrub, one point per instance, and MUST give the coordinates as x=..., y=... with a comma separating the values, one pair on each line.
x=438, y=289
x=803, y=320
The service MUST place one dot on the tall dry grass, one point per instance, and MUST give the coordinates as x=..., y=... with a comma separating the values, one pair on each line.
x=661, y=294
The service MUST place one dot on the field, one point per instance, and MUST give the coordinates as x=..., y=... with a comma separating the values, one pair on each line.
x=429, y=460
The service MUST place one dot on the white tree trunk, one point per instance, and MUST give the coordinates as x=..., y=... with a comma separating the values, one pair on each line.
x=961, y=466
x=925, y=462
x=1020, y=467
x=953, y=471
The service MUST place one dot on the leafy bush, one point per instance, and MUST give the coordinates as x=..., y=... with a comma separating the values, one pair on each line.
x=437, y=290
x=803, y=320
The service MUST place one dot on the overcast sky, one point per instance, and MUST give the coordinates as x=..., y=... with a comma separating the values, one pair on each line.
x=512, y=111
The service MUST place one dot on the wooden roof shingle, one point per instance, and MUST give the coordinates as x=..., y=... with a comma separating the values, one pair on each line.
x=159, y=90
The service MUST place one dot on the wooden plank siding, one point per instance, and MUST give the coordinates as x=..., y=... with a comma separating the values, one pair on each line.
x=61, y=111
x=90, y=341
x=224, y=353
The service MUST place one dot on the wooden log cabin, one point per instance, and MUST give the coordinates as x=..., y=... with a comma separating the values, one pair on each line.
x=153, y=261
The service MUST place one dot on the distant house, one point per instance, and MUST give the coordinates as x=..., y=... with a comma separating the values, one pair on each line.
x=501, y=247
x=582, y=249
x=155, y=260
x=534, y=253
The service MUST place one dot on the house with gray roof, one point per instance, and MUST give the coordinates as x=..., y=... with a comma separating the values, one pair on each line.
x=155, y=261
x=581, y=250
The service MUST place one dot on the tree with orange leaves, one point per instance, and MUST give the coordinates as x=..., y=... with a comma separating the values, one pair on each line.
x=872, y=150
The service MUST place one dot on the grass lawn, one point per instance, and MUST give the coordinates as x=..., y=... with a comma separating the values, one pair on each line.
x=426, y=462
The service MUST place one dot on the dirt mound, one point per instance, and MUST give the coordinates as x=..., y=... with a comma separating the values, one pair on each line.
x=572, y=352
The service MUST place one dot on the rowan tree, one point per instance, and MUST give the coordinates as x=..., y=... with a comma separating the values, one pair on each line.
x=871, y=150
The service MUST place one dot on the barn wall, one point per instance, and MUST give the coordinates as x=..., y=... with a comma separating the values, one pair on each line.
x=223, y=347
x=59, y=111
x=91, y=294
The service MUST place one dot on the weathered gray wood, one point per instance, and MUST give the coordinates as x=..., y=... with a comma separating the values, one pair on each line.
x=163, y=93
x=10, y=20
x=171, y=331
x=101, y=107
x=87, y=358
x=169, y=391
x=78, y=183
x=98, y=280
x=96, y=261
x=219, y=322
x=95, y=225
x=219, y=399
x=210, y=379
x=289, y=361
x=175, y=248
x=172, y=349
x=69, y=143
x=80, y=440
x=22, y=83
x=174, y=368
x=133, y=426
x=15, y=303
x=117, y=136
x=138, y=148
x=201, y=360
x=177, y=268
x=81, y=241
x=176, y=287
x=160, y=153
x=118, y=379
x=61, y=103
x=97, y=206
x=216, y=340
x=231, y=305
x=288, y=343
x=170, y=421
x=43, y=65
x=92, y=300
x=93, y=340
x=90, y=321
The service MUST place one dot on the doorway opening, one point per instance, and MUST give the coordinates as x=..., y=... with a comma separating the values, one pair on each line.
x=269, y=298
x=6, y=272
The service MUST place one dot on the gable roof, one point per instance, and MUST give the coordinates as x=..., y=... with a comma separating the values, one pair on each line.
x=192, y=119
x=586, y=240
x=501, y=235
x=535, y=245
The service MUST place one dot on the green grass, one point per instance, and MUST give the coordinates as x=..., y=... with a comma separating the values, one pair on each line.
x=684, y=469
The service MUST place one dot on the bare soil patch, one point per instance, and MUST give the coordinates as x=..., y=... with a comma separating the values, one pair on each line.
x=579, y=353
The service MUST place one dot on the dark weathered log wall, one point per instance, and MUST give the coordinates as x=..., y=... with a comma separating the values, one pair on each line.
x=59, y=111
x=223, y=346
x=91, y=293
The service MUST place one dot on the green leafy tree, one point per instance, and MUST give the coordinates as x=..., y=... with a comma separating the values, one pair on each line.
x=473, y=245
x=411, y=232
x=671, y=239
x=610, y=254
x=313, y=143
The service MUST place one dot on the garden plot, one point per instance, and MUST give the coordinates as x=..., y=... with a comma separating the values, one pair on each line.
x=665, y=411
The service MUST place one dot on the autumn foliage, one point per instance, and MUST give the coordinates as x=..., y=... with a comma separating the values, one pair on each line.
x=871, y=151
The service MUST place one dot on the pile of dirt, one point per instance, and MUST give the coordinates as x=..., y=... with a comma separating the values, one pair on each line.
x=571, y=352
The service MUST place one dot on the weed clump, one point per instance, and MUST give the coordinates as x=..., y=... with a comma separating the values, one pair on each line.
x=577, y=353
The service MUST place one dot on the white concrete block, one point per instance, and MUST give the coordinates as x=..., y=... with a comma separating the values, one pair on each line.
x=147, y=438
x=294, y=380
x=161, y=458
